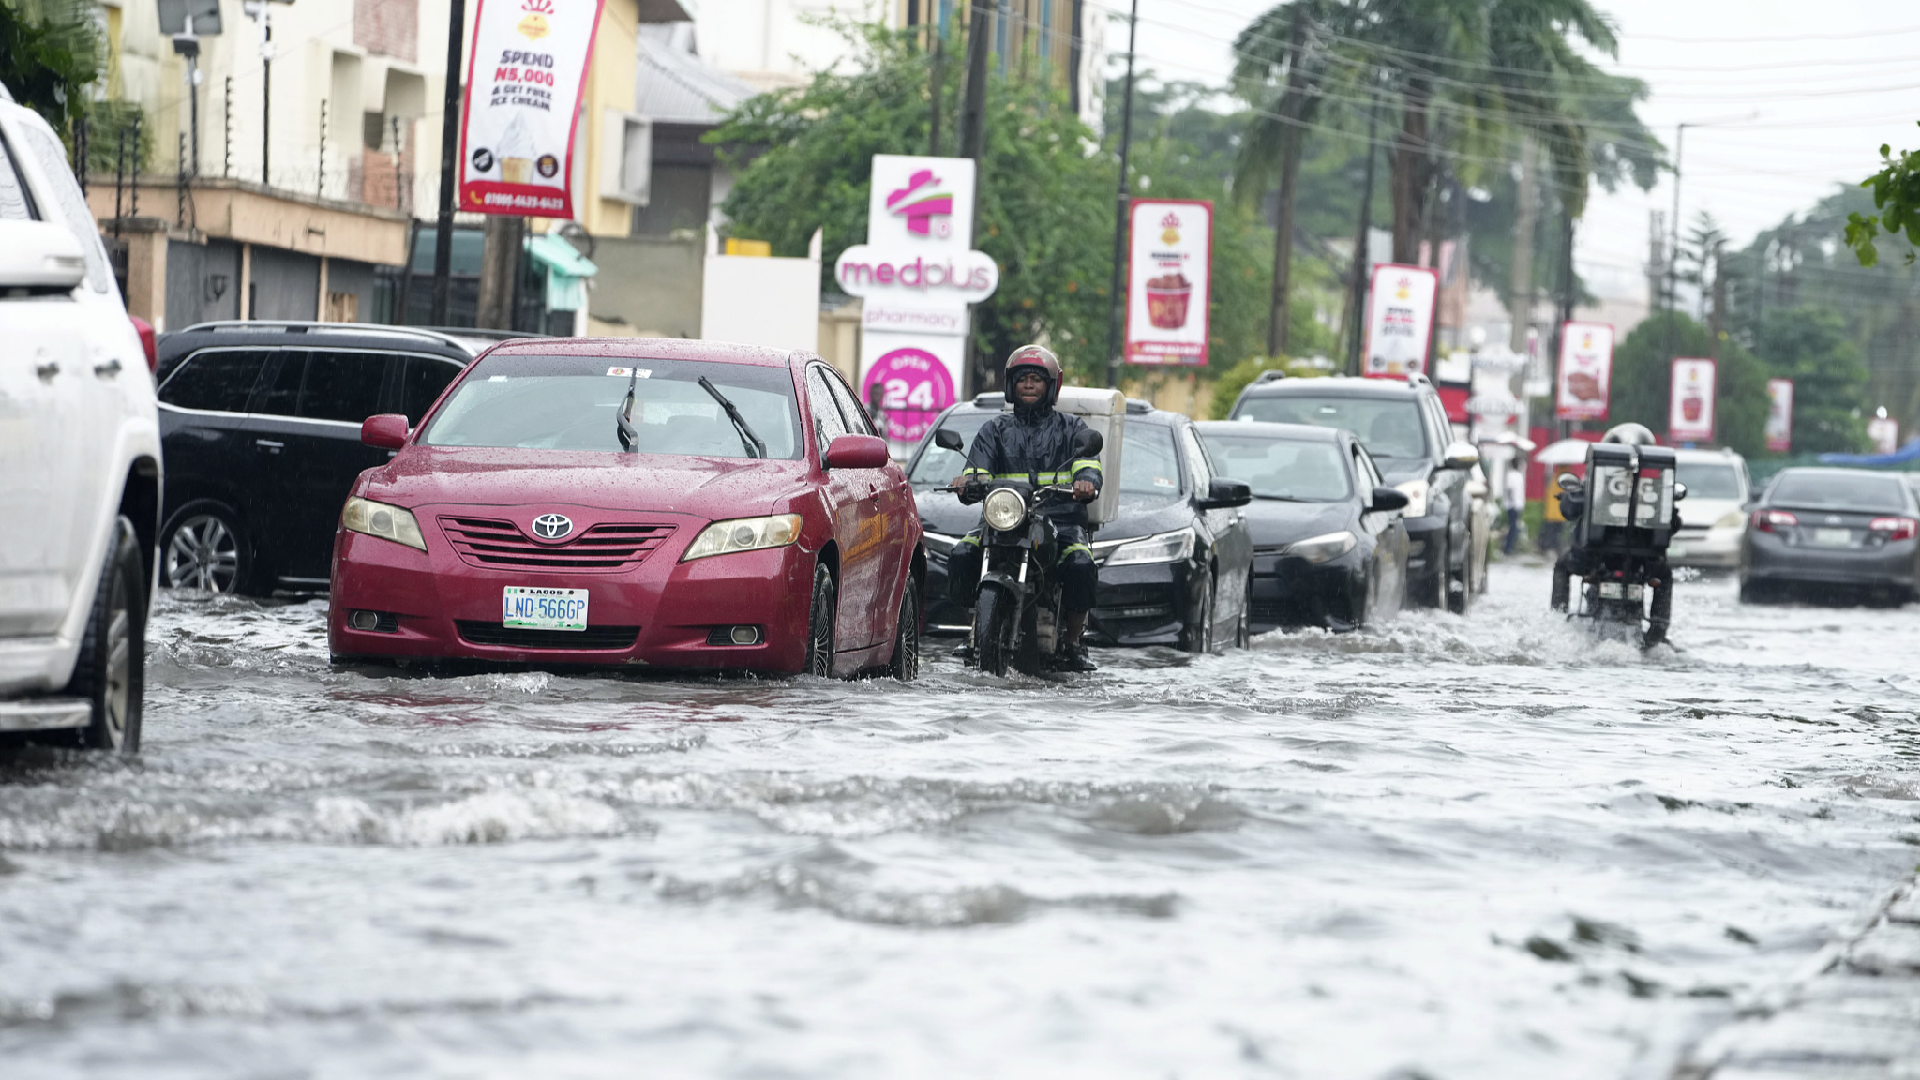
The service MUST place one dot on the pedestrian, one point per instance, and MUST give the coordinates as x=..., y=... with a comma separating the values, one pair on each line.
x=1516, y=500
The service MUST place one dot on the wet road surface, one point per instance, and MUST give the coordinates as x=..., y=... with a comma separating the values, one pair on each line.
x=1452, y=848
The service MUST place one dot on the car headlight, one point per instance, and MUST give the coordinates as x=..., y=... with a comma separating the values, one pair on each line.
x=1732, y=519
x=1004, y=509
x=744, y=534
x=1158, y=548
x=382, y=520
x=1319, y=549
x=1416, y=493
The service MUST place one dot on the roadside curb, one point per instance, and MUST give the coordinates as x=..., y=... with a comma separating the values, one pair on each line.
x=1851, y=1013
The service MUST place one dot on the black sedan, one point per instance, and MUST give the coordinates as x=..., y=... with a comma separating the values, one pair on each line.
x=1329, y=542
x=1175, y=565
x=1843, y=531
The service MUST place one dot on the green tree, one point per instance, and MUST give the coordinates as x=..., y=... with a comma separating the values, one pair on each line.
x=1896, y=194
x=1643, y=380
x=50, y=52
x=1809, y=345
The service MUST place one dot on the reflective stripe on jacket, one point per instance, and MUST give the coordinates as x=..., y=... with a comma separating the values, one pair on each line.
x=1035, y=444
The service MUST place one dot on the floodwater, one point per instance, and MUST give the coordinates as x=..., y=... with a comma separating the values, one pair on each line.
x=1453, y=848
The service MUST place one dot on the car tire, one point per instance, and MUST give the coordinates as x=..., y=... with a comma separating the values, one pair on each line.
x=111, y=671
x=905, y=664
x=204, y=547
x=1197, y=636
x=820, y=620
x=1243, y=630
x=994, y=613
x=1752, y=592
x=1460, y=590
x=1434, y=595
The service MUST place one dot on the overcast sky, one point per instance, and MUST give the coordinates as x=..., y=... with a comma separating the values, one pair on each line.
x=1795, y=97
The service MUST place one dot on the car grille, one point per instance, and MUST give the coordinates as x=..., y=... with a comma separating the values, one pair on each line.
x=593, y=637
x=597, y=549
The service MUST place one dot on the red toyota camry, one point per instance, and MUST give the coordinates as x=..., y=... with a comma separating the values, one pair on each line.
x=682, y=504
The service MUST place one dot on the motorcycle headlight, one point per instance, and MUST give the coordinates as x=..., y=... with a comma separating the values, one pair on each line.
x=381, y=520
x=1158, y=548
x=744, y=534
x=1416, y=493
x=1319, y=549
x=1004, y=509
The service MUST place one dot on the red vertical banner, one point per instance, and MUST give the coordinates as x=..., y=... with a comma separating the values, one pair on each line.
x=524, y=80
x=1584, y=383
x=1780, y=415
x=1169, y=281
x=1399, y=320
x=1690, y=408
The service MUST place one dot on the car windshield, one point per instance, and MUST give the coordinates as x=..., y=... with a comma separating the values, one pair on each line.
x=937, y=466
x=1149, y=468
x=1839, y=491
x=569, y=403
x=1711, y=480
x=1387, y=427
x=1281, y=469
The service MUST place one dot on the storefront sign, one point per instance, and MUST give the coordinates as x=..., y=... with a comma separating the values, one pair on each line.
x=524, y=77
x=1170, y=279
x=1399, y=320
x=1780, y=415
x=1690, y=408
x=1585, y=377
x=908, y=384
x=963, y=277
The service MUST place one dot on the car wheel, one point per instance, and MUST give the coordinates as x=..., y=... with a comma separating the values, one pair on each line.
x=1460, y=590
x=820, y=624
x=1433, y=588
x=905, y=664
x=1243, y=630
x=1197, y=637
x=204, y=547
x=1752, y=592
x=110, y=674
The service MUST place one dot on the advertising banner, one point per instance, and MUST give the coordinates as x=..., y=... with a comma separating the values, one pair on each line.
x=906, y=382
x=524, y=76
x=1690, y=408
x=1585, y=378
x=1399, y=320
x=1884, y=432
x=1780, y=415
x=1169, y=281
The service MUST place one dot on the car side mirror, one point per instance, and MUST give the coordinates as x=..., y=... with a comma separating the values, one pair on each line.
x=1222, y=494
x=1679, y=492
x=39, y=257
x=949, y=439
x=388, y=431
x=856, y=452
x=1088, y=443
x=1387, y=499
x=1462, y=456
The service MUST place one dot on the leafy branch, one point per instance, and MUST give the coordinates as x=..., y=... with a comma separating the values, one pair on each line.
x=1896, y=194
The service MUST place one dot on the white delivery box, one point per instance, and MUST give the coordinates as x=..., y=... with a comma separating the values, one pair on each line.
x=1105, y=411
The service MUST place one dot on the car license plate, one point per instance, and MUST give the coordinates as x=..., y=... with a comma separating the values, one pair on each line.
x=1614, y=590
x=1676, y=551
x=526, y=608
x=1833, y=537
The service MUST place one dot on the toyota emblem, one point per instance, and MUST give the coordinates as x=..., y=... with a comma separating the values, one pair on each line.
x=552, y=526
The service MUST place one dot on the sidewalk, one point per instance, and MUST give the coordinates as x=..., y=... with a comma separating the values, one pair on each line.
x=1856, y=1016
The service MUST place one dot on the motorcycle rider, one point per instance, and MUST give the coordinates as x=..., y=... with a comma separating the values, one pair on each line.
x=1577, y=561
x=1035, y=439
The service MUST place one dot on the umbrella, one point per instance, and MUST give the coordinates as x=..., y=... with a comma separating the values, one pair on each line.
x=1564, y=452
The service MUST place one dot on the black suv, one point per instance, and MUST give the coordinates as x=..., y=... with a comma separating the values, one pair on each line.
x=1404, y=426
x=260, y=426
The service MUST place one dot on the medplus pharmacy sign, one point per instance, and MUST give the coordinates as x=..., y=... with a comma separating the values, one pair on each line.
x=524, y=78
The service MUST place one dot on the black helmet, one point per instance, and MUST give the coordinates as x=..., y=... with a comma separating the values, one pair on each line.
x=1630, y=434
x=1034, y=358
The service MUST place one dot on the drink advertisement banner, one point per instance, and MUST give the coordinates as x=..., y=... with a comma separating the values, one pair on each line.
x=1169, y=280
x=524, y=77
x=1586, y=371
x=1399, y=320
x=1884, y=433
x=1780, y=415
x=1690, y=408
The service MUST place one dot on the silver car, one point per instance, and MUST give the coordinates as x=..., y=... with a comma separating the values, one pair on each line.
x=1713, y=518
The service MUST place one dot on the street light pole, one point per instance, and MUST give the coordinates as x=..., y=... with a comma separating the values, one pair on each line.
x=449, y=159
x=1116, y=318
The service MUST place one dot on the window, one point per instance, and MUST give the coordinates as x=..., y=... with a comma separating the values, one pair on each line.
x=1712, y=480
x=1197, y=472
x=1390, y=427
x=827, y=421
x=1148, y=465
x=1862, y=493
x=73, y=207
x=1282, y=469
x=343, y=386
x=1369, y=475
x=281, y=397
x=421, y=383
x=16, y=204
x=627, y=156
x=857, y=419
x=937, y=466
x=215, y=381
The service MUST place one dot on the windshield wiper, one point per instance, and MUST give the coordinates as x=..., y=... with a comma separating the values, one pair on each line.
x=755, y=448
x=623, y=417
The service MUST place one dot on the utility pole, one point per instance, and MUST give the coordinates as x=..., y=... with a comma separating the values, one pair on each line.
x=937, y=93
x=1116, y=320
x=1520, y=300
x=973, y=140
x=261, y=11
x=1673, y=239
x=1563, y=310
x=1357, y=294
x=449, y=160
x=1290, y=139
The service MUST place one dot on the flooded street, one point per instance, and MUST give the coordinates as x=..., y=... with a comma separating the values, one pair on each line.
x=1451, y=848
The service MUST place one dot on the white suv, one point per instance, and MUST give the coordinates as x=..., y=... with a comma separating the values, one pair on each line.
x=79, y=459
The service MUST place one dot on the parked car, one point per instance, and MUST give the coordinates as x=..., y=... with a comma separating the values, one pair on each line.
x=1713, y=520
x=1175, y=564
x=79, y=460
x=1329, y=545
x=1832, y=530
x=1404, y=426
x=261, y=425
x=747, y=518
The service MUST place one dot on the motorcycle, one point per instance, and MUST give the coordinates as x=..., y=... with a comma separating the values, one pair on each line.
x=1017, y=611
x=1622, y=518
